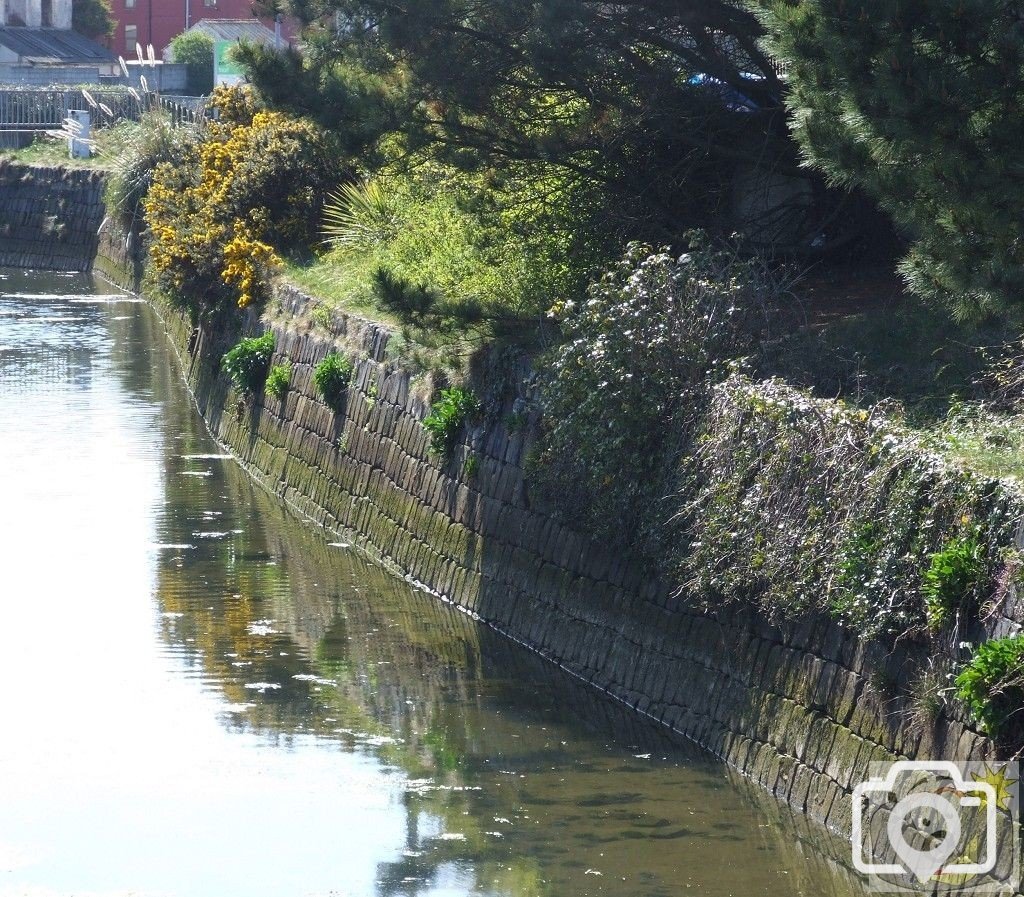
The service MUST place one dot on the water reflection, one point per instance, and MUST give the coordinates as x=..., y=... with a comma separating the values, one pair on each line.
x=212, y=700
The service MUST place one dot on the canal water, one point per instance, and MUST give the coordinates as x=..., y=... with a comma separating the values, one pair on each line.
x=203, y=697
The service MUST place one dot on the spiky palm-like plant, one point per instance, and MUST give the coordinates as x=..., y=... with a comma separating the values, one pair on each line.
x=360, y=216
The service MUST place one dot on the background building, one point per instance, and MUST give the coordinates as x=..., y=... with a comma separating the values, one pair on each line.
x=157, y=22
x=38, y=47
x=38, y=13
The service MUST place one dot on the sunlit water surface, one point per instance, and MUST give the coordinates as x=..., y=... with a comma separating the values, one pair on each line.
x=201, y=697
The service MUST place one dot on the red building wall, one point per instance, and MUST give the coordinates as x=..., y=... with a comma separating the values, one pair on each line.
x=156, y=22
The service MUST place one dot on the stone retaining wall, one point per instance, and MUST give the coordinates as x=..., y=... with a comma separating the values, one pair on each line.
x=801, y=709
x=49, y=217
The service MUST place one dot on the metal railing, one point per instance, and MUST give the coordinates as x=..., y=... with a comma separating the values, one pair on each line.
x=183, y=110
x=44, y=109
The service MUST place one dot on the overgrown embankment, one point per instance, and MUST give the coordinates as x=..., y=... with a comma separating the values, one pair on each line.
x=798, y=505
x=791, y=696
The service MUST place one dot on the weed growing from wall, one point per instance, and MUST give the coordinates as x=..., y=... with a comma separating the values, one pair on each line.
x=331, y=378
x=930, y=692
x=279, y=379
x=248, y=362
x=448, y=415
x=992, y=685
x=951, y=579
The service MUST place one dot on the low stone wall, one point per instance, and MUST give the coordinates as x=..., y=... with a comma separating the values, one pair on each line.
x=801, y=709
x=49, y=217
x=117, y=257
x=46, y=75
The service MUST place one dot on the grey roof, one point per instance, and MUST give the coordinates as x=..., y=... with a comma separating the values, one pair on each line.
x=251, y=30
x=54, y=46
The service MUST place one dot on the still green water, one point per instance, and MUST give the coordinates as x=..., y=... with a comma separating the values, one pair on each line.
x=203, y=697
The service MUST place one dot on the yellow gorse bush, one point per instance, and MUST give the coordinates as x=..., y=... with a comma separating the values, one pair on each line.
x=245, y=258
x=213, y=220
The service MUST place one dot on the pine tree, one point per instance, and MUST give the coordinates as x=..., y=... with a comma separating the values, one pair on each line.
x=659, y=101
x=919, y=102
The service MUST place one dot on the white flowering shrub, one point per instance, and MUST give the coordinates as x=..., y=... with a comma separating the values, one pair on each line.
x=756, y=492
x=638, y=352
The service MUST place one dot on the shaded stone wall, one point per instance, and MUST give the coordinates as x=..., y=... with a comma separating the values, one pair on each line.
x=118, y=257
x=49, y=217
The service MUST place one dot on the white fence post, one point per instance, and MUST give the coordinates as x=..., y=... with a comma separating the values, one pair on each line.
x=78, y=143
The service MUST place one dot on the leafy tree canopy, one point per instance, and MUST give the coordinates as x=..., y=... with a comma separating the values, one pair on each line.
x=657, y=100
x=92, y=18
x=195, y=49
x=919, y=102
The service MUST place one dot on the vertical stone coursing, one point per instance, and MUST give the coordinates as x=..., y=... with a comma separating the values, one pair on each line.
x=49, y=217
x=798, y=708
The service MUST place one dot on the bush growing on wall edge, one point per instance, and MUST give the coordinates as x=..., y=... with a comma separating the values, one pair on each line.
x=951, y=578
x=992, y=685
x=248, y=362
x=279, y=379
x=632, y=372
x=447, y=417
x=220, y=215
x=331, y=378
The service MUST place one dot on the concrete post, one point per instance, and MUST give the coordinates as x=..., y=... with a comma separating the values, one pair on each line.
x=78, y=144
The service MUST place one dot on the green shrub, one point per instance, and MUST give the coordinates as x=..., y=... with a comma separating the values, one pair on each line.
x=194, y=49
x=331, y=379
x=278, y=380
x=951, y=578
x=633, y=368
x=447, y=417
x=449, y=252
x=992, y=684
x=248, y=362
